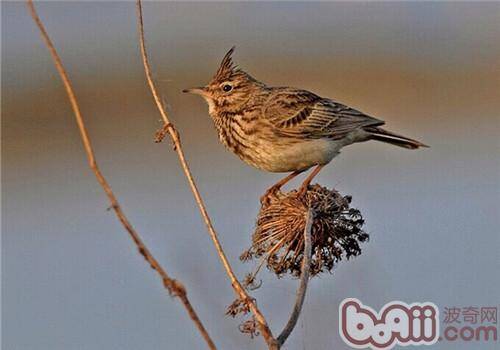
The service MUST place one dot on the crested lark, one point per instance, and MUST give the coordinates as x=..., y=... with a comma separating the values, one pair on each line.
x=283, y=129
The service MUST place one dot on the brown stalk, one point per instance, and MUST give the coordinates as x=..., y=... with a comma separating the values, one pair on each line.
x=174, y=135
x=304, y=279
x=173, y=286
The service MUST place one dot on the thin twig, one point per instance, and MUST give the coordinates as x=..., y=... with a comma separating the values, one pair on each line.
x=304, y=279
x=173, y=286
x=240, y=291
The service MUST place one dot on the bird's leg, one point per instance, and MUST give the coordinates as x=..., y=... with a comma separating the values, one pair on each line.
x=271, y=191
x=303, y=188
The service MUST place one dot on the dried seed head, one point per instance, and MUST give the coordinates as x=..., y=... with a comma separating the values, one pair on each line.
x=279, y=235
x=249, y=327
x=239, y=306
x=250, y=282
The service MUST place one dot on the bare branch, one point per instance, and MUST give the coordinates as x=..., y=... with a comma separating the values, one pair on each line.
x=173, y=286
x=240, y=291
x=304, y=279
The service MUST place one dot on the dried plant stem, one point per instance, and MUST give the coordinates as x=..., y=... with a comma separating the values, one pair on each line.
x=240, y=291
x=173, y=286
x=304, y=279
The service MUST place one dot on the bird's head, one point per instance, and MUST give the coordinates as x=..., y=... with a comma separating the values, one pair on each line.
x=230, y=88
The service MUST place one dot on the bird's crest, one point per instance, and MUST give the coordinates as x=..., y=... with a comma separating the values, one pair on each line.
x=226, y=68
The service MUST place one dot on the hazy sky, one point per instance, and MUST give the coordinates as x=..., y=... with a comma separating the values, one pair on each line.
x=71, y=278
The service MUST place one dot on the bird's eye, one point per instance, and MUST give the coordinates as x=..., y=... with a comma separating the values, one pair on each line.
x=227, y=87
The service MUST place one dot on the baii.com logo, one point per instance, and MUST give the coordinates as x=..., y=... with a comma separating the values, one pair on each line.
x=398, y=323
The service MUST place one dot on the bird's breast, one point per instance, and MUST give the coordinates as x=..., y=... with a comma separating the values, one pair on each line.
x=257, y=144
x=297, y=155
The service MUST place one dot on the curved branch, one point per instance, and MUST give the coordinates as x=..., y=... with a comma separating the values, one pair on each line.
x=304, y=279
x=174, y=135
x=173, y=286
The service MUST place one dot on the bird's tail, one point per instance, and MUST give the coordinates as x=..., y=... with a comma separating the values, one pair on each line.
x=382, y=135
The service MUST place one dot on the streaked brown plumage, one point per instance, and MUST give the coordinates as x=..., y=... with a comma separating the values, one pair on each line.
x=283, y=129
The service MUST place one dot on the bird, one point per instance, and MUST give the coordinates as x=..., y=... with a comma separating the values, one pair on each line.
x=285, y=129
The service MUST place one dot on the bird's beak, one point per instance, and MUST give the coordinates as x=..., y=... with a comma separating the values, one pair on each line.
x=196, y=90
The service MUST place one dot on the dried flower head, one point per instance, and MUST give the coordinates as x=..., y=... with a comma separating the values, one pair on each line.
x=279, y=235
x=238, y=306
x=249, y=327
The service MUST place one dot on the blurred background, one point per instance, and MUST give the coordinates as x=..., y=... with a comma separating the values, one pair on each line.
x=71, y=277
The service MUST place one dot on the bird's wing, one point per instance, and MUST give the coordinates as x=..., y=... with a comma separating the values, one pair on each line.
x=300, y=113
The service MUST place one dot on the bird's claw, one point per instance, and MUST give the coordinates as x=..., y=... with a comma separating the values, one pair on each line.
x=270, y=192
x=302, y=191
